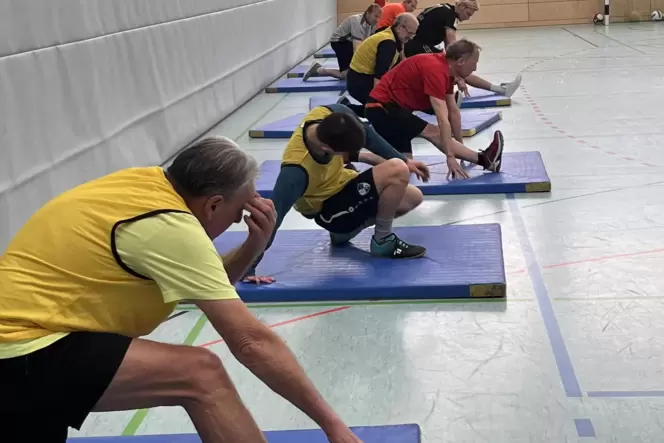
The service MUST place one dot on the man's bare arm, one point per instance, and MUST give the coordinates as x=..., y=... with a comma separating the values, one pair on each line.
x=454, y=117
x=263, y=352
x=442, y=116
x=238, y=261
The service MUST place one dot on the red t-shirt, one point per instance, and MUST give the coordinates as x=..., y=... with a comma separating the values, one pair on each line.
x=389, y=14
x=410, y=83
x=380, y=3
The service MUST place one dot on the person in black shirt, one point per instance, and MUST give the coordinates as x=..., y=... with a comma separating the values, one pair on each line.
x=438, y=27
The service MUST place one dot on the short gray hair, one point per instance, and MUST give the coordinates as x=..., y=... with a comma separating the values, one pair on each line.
x=404, y=18
x=461, y=49
x=212, y=166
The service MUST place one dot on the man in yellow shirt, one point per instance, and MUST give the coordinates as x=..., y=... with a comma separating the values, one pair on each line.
x=105, y=263
x=375, y=56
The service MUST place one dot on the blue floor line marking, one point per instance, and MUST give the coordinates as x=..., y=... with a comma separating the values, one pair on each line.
x=584, y=427
x=624, y=394
x=560, y=353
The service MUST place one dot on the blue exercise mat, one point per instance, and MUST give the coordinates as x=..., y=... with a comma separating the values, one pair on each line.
x=479, y=98
x=300, y=70
x=314, y=84
x=473, y=121
x=368, y=434
x=462, y=261
x=325, y=53
x=520, y=172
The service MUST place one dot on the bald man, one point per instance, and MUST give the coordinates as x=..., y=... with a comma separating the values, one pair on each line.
x=377, y=55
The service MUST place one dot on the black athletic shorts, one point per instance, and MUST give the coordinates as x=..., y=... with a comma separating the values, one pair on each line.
x=359, y=86
x=352, y=207
x=414, y=47
x=344, y=53
x=398, y=126
x=46, y=392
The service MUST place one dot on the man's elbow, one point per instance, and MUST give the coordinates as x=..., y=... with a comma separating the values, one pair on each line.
x=249, y=348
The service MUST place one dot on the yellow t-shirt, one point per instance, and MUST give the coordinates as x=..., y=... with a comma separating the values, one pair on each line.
x=324, y=180
x=364, y=58
x=173, y=250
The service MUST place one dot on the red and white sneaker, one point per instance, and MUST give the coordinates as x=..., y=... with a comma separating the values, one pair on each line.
x=494, y=153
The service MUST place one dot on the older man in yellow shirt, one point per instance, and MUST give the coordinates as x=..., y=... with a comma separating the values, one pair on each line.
x=105, y=263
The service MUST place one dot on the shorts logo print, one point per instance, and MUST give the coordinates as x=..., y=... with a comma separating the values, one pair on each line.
x=363, y=188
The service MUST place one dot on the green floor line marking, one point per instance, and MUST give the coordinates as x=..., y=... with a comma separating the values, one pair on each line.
x=372, y=303
x=424, y=302
x=138, y=417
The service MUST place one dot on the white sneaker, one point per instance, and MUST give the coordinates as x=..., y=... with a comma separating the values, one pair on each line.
x=511, y=87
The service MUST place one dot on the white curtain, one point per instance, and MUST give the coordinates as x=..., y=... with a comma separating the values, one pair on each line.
x=89, y=87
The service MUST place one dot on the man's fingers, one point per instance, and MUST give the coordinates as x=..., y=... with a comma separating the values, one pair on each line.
x=251, y=224
x=259, y=280
x=265, y=207
x=260, y=217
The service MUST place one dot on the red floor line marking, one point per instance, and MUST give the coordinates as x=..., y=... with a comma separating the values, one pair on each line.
x=594, y=259
x=545, y=120
x=286, y=322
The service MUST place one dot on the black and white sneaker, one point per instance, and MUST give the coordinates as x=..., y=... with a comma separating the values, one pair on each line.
x=458, y=96
x=393, y=247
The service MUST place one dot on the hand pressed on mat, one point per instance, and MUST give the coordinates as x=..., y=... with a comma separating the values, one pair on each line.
x=261, y=222
x=454, y=169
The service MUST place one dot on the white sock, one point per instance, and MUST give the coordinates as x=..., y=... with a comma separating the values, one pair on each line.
x=499, y=89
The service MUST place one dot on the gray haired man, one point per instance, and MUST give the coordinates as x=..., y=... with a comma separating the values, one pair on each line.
x=104, y=264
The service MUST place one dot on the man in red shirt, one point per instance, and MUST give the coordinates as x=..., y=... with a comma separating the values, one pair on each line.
x=425, y=82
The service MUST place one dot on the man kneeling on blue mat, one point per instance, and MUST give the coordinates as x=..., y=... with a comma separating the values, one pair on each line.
x=315, y=182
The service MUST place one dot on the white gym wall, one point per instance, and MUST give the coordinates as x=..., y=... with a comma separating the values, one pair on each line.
x=89, y=87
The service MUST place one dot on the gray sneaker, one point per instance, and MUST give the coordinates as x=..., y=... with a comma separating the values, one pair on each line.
x=312, y=72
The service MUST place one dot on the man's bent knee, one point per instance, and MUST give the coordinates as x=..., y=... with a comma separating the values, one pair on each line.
x=391, y=172
x=411, y=200
x=209, y=373
x=158, y=374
